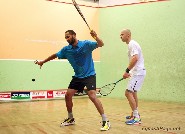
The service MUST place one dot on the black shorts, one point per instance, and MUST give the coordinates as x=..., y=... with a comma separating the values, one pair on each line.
x=79, y=83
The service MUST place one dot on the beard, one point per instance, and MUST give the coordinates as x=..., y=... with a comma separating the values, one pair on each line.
x=72, y=41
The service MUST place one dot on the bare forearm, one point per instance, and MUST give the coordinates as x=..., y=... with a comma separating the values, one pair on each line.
x=40, y=63
x=95, y=36
x=53, y=56
x=133, y=62
x=99, y=42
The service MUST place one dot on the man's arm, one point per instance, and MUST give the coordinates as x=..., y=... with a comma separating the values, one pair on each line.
x=53, y=56
x=132, y=63
x=99, y=41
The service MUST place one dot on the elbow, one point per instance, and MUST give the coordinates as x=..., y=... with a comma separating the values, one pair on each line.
x=101, y=45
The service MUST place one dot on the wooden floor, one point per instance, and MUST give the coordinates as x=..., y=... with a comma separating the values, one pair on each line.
x=44, y=117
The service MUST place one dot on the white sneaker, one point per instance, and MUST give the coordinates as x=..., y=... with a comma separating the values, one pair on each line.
x=80, y=94
x=68, y=122
x=105, y=126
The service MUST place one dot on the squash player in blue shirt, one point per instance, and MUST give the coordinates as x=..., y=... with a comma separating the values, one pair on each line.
x=79, y=55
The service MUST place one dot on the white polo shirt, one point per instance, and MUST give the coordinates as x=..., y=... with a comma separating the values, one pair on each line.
x=133, y=49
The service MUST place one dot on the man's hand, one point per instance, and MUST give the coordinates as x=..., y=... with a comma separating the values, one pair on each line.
x=98, y=40
x=126, y=75
x=40, y=63
x=93, y=34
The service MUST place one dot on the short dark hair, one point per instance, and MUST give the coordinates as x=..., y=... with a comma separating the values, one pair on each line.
x=70, y=32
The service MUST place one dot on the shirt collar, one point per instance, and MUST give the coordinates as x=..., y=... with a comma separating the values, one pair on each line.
x=77, y=46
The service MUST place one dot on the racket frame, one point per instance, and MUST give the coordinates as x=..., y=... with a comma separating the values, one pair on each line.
x=109, y=85
x=79, y=11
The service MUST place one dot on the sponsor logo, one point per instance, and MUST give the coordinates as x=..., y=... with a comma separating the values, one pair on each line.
x=49, y=94
x=5, y=96
x=38, y=95
x=59, y=94
x=20, y=95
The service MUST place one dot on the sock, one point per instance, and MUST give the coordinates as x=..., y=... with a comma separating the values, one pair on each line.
x=70, y=115
x=136, y=113
x=104, y=118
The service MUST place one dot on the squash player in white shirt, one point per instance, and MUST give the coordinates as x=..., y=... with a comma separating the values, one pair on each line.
x=136, y=72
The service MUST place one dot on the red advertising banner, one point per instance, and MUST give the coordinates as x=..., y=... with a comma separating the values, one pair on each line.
x=49, y=94
x=5, y=96
x=33, y=95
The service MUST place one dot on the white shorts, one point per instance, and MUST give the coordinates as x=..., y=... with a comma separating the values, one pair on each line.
x=135, y=83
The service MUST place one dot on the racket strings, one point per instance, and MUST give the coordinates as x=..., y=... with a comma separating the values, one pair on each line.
x=107, y=89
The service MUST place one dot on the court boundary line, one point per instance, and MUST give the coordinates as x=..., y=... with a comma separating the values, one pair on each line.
x=129, y=4
x=62, y=60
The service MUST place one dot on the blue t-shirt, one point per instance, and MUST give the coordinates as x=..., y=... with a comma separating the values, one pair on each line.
x=80, y=57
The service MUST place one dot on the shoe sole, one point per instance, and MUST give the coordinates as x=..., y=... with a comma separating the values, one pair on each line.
x=61, y=125
x=106, y=129
x=136, y=123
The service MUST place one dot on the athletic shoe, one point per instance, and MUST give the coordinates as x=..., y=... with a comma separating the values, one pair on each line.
x=68, y=122
x=80, y=94
x=133, y=121
x=105, y=126
x=130, y=116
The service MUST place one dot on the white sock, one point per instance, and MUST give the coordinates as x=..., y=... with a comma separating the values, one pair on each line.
x=104, y=118
x=136, y=113
x=70, y=115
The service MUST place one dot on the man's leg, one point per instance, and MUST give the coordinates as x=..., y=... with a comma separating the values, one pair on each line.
x=96, y=101
x=69, y=105
x=136, y=99
x=99, y=107
x=131, y=99
x=68, y=99
x=133, y=104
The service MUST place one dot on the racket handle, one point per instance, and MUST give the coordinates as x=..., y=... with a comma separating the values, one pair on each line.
x=119, y=80
x=36, y=61
x=93, y=36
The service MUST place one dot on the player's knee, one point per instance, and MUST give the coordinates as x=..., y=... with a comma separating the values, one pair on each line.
x=127, y=93
x=68, y=95
x=92, y=96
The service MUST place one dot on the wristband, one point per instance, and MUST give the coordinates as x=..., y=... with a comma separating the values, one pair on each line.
x=127, y=70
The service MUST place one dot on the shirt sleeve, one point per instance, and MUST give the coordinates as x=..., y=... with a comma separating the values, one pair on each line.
x=61, y=54
x=91, y=45
x=133, y=50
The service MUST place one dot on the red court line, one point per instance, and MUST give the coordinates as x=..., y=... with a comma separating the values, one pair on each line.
x=108, y=6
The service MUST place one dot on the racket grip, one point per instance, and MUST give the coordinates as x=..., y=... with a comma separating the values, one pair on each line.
x=93, y=36
x=36, y=61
